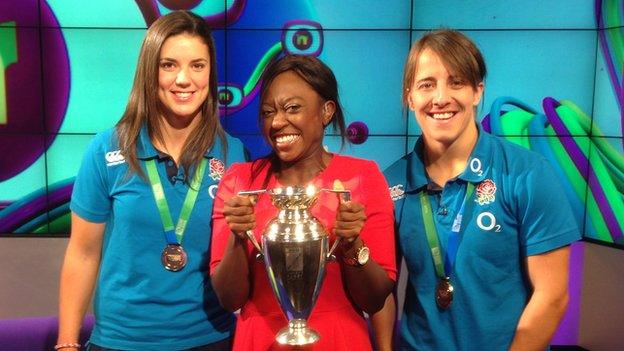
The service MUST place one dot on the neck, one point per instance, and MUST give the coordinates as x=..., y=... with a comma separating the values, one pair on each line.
x=304, y=171
x=446, y=161
x=174, y=132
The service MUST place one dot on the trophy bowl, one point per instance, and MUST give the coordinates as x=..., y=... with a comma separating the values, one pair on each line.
x=295, y=249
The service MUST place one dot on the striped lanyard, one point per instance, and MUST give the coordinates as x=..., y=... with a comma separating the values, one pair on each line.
x=443, y=270
x=174, y=235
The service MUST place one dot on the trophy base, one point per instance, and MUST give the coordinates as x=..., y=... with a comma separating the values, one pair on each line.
x=297, y=333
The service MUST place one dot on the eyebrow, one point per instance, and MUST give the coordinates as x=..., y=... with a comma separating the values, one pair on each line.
x=174, y=60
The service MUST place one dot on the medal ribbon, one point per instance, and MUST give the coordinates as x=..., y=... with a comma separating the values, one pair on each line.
x=443, y=270
x=174, y=235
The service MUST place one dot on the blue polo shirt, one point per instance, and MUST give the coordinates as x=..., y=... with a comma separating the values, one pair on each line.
x=139, y=305
x=518, y=209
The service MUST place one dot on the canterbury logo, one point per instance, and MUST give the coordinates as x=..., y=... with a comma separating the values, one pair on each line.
x=114, y=158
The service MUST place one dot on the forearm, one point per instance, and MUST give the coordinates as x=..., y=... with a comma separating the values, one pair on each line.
x=383, y=325
x=230, y=279
x=368, y=285
x=539, y=322
x=78, y=277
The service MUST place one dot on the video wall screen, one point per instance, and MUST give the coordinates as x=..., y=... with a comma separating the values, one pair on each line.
x=554, y=86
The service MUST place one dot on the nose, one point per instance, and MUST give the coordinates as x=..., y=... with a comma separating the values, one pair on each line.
x=279, y=120
x=441, y=96
x=182, y=78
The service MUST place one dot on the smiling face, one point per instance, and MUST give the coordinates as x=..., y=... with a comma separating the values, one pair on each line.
x=443, y=102
x=294, y=117
x=183, y=76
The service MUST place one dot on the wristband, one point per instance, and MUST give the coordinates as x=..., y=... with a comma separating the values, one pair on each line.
x=67, y=345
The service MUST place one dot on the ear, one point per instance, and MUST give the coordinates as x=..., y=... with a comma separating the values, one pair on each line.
x=478, y=94
x=410, y=103
x=329, y=108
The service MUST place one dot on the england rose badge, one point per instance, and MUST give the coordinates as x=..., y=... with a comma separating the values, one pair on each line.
x=485, y=192
x=217, y=169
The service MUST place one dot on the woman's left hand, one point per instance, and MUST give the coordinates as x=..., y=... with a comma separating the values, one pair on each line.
x=349, y=220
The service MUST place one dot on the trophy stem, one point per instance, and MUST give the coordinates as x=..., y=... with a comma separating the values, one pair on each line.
x=297, y=333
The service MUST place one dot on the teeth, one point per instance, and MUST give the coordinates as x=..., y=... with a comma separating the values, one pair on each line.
x=286, y=138
x=445, y=115
x=183, y=95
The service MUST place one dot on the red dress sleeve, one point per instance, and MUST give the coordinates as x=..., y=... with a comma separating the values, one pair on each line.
x=220, y=229
x=378, y=231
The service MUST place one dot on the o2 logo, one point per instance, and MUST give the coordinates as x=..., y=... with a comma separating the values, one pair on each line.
x=476, y=167
x=487, y=222
x=34, y=83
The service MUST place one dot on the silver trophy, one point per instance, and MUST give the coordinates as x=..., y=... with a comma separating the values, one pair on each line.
x=295, y=248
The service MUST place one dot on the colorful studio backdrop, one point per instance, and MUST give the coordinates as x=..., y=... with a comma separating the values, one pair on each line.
x=555, y=85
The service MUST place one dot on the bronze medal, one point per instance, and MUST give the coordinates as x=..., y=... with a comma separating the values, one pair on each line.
x=173, y=257
x=444, y=293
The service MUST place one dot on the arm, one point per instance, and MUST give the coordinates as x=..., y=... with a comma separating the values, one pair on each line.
x=548, y=273
x=383, y=325
x=368, y=285
x=80, y=269
x=370, y=223
x=232, y=216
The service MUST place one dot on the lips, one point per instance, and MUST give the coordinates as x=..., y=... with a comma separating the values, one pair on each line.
x=441, y=116
x=182, y=96
x=283, y=141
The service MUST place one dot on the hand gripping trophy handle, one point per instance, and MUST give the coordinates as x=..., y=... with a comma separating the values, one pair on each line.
x=249, y=233
x=345, y=196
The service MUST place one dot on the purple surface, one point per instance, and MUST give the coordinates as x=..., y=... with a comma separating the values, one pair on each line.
x=567, y=333
x=34, y=334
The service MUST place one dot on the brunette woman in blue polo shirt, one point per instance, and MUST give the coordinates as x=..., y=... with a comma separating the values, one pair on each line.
x=483, y=224
x=142, y=203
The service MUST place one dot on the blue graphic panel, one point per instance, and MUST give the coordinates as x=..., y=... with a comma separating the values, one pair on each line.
x=370, y=88
x=530, y=14
x=101, y=76
x=357, y=14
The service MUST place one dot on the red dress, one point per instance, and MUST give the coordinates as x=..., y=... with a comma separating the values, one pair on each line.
x=340, y=324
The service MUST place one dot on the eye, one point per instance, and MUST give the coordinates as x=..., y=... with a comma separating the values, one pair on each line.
x=198, y=66
x=426, y=85
x=292, y=108
x=457, y=83
x=266, y=113
x=167, y=66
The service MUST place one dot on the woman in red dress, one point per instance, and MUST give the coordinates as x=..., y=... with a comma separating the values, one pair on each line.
x=299, y=99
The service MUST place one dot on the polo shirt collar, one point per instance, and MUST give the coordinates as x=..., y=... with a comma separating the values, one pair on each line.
x=146, y=150
x=476, y=169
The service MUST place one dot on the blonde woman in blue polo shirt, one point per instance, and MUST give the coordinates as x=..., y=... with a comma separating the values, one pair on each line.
x=481, y=222
x=142, y=202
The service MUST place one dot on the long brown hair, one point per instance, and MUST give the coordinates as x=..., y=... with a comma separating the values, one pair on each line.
x=143, y=103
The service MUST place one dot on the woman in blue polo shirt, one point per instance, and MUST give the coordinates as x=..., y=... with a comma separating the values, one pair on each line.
x=482, y=223
x=142, y=202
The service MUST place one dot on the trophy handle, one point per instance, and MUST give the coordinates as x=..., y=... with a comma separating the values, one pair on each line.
x=248, y=233
x=343, y=196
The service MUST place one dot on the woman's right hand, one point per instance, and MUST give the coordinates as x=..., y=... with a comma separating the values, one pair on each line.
x=239, y=214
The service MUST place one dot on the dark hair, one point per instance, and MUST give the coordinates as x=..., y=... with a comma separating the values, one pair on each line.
x=143, y=103
x=322, y=80
x=458, y=53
